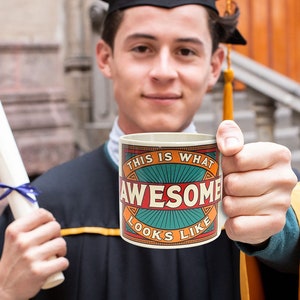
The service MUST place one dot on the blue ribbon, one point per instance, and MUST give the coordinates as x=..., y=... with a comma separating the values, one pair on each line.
x=25, y=190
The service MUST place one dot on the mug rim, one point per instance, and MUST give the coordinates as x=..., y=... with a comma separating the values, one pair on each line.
x=166, y=139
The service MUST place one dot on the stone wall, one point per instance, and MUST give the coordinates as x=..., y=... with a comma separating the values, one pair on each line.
x=32, y=88
x=31, y=21
x=33, y=97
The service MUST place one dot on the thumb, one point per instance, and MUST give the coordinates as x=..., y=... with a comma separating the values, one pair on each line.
x=230, y=138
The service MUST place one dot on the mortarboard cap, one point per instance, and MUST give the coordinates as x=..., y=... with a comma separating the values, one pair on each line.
x=114, y=5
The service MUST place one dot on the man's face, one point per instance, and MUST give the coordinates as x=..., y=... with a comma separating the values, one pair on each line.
x=161, y=67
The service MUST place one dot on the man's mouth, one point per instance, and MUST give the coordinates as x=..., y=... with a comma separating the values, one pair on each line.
x=164, y=96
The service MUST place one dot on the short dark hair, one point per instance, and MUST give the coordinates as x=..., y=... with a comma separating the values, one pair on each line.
x=220, y=27
x=111, y=25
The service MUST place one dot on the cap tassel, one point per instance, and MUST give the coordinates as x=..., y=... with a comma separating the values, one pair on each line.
x=228, y=106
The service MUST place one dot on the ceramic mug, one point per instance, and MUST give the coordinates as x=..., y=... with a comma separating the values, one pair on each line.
x=170, y=189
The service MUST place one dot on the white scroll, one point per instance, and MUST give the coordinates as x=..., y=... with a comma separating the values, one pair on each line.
x=13, y=174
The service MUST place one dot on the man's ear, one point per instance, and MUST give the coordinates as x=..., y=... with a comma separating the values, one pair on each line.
x=104, y=57
x=216, y=66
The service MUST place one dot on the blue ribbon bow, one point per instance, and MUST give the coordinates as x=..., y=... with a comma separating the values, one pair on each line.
x=25, y=190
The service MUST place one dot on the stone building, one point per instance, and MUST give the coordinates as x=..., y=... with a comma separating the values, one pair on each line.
x=36, y=61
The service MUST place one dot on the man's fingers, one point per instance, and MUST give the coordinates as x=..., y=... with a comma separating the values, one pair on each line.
x=237, y=228
x=229, y=138
x=258, y=156
x=31, y=221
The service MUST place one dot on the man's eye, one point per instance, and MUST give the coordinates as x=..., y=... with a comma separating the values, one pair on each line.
x=141, y=49
x=186, y=52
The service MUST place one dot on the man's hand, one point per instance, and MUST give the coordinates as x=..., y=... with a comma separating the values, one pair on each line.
x=258, y=181
x=29, y=242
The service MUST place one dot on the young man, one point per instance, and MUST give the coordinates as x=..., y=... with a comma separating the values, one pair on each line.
x=162, y=57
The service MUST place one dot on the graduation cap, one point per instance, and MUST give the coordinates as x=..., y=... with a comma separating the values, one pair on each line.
x=114, y=5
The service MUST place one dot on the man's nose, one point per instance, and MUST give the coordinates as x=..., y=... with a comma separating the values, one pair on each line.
x=164, y=67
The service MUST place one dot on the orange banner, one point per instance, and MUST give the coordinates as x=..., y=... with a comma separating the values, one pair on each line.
x=170, y=156
x=169, y=236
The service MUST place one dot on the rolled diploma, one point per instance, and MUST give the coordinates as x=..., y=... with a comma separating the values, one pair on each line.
x=13, y=173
